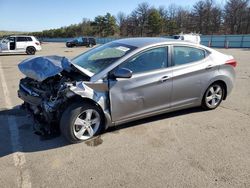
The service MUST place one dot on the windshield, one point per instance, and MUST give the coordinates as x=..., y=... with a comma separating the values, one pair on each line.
x=5, y=39
x=99, y=58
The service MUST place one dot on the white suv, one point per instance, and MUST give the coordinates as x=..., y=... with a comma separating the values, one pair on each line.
x=16, y=44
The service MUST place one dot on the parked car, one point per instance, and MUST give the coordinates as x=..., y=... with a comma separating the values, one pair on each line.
x=191, y=37
x=19, y=44
x=126, y=80
x=81, y=41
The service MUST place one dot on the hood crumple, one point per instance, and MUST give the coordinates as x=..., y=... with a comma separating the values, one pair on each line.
x=42, y=67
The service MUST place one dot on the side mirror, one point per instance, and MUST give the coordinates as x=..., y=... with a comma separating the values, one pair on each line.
x=122, y=73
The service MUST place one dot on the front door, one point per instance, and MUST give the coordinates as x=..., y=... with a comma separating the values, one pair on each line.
x=147, y=91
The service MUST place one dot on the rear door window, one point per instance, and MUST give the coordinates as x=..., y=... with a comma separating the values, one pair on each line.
x=184, y=54
x=85, y=40
x=21, y=39
x=92, y=40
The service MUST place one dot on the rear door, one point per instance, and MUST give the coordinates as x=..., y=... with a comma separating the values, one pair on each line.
x=85, y=41
x=21, y=43
x=147, y=91
x=92, y=41
x=192, y=69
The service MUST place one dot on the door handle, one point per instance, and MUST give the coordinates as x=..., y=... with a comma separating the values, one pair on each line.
x=209, y=67
x=164, y=78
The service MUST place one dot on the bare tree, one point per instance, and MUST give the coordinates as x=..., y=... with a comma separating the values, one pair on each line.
x=172, y=11
x=164, y=17
x=216, y=20
x=140, y=14
x=122, y=22
x=120, y=18
x=183, y=20
x=205, y=17
x=236, y=16
x=198, y=15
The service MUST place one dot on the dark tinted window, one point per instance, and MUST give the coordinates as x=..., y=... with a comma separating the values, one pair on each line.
x=85, y=39
x=79, y=39
x=147, y=61
x=28, y=38
x=21, y=39
x=184, y=55
x=92, y=40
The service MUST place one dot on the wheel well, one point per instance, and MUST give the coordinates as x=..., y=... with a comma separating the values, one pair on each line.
x=78, y=98
x=223, y=84
x=30, y=47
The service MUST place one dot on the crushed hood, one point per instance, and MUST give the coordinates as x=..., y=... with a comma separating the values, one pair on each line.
x=43, y=67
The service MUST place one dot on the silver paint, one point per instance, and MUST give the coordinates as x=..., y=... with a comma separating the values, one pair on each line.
x=155, y=92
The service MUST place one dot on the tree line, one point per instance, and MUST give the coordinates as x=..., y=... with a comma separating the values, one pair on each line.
x=205, y=17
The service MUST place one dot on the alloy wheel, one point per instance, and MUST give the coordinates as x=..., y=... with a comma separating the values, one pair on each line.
x=86, y=124
x=214, y=96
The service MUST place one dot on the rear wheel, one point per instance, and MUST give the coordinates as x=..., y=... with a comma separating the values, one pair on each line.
x=81, y=121
x=213, y=96
x=30, y=50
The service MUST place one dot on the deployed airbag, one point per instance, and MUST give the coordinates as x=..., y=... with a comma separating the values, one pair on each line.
x=40, y=68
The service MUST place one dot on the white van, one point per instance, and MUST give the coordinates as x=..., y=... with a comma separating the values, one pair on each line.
x=18, y=44
x=195, y=38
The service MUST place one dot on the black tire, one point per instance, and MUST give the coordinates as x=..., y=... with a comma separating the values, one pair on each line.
x=205, y=104
x=69, y=116
x=30, y=50
x=90, y=45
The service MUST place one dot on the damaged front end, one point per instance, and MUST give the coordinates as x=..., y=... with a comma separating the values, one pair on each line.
x=47, y=94
x=45, y=100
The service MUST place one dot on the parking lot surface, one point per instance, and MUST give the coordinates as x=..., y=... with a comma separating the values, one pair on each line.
x=189, y=148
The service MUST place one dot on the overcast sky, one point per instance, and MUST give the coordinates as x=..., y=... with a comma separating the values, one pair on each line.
x=37, y=15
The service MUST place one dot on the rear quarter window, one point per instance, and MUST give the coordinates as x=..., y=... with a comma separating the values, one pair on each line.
x=28, y=38
x=184, y=54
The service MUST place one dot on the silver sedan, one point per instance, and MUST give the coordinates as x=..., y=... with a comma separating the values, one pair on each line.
x=131, y=79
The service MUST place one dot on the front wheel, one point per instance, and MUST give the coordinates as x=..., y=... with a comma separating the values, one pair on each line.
x=81, y=121
x=213, y=96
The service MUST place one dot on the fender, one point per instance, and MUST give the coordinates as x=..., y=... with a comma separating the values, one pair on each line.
x=99, y=97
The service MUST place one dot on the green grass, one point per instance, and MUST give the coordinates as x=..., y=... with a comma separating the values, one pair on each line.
x=4, y=33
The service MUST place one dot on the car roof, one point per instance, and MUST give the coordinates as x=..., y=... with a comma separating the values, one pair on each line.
x=20, y=36
x=145, y=41
x=141, y=44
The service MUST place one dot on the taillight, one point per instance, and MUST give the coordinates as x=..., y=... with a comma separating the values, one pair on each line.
x=231, y=62
x=37, y=43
